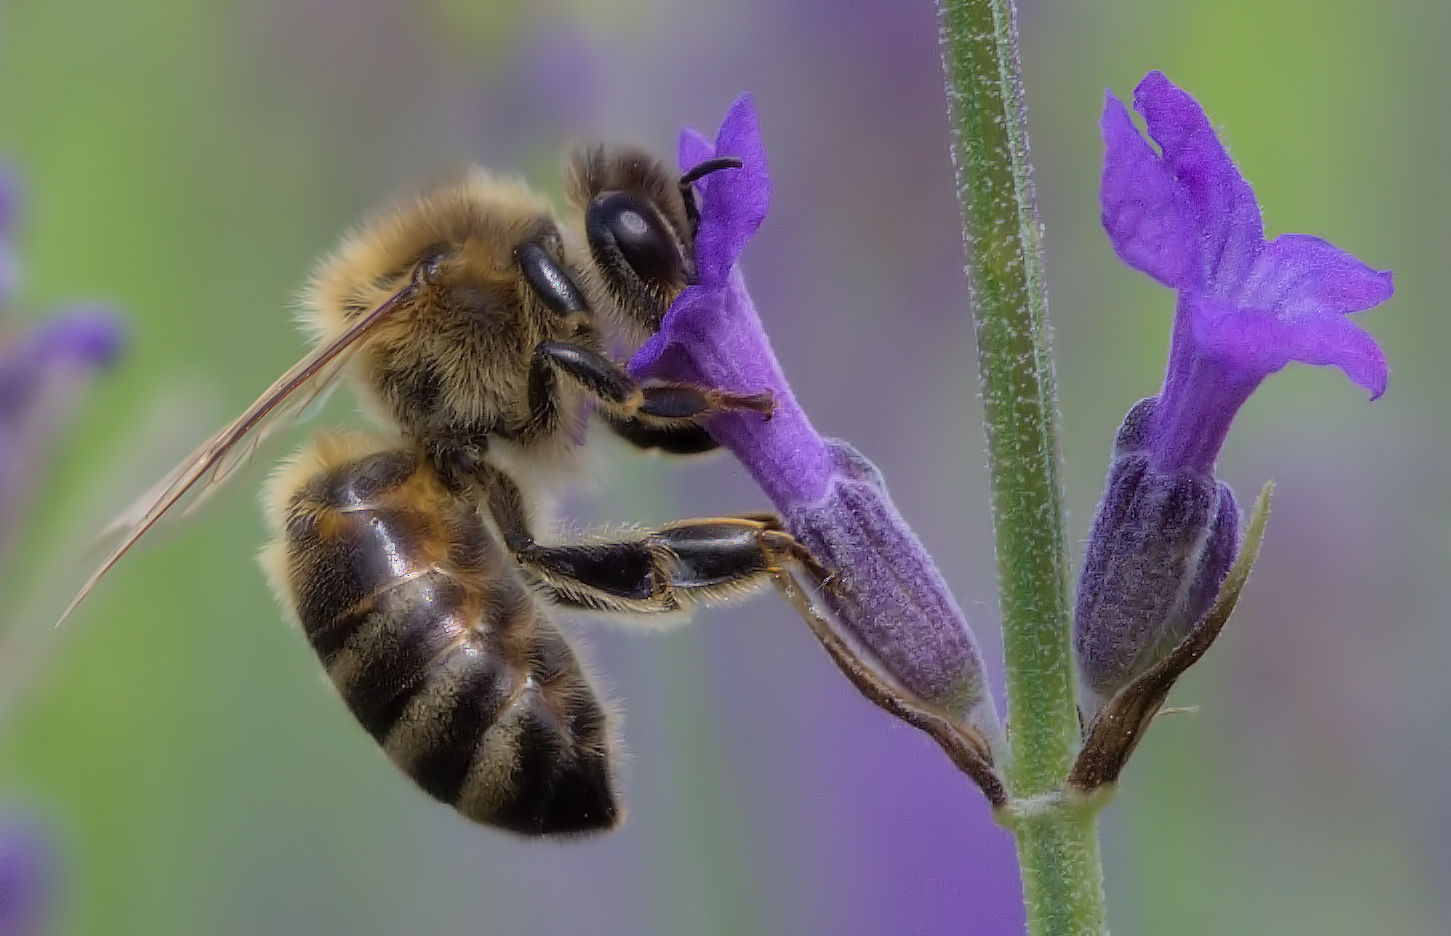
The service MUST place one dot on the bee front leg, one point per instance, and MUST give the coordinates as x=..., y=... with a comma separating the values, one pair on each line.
x=676, y=566
x=655, y=403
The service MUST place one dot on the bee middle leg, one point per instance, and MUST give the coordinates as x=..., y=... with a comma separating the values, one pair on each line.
x=689, y=438
x=671, y=568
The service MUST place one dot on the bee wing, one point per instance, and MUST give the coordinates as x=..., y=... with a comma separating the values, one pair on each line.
x=217, y=459
x=299, y=405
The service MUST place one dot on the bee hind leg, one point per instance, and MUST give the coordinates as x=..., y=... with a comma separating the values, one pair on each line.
x=671, y=568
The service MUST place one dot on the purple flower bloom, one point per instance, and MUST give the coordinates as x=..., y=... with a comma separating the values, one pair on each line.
x=41, y=372
x=39, y=376
x=27, y=876
x=1247, y=306
x=889, y=597
x=1165, y=534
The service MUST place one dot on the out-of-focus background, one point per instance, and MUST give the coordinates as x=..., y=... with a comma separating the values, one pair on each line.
x=189, y=771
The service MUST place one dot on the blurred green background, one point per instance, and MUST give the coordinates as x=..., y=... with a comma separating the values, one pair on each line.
x=188, y=161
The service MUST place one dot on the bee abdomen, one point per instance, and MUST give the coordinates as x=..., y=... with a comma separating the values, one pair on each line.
x=441, y=652
x=507, y=748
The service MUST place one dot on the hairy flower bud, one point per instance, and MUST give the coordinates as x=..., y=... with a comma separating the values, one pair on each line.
x=889, y=595
x=1162, y=542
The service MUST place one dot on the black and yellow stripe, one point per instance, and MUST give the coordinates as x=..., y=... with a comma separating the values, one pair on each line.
x=437, y=645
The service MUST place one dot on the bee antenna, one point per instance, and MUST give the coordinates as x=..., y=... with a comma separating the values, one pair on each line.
x=692, y=210
x=710, y=165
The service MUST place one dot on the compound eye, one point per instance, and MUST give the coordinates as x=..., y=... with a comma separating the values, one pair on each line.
x=642, y=239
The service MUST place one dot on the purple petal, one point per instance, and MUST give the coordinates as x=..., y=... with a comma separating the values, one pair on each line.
x=84, y=334
x=1336, y=340
x=40, y=378
x=1299, y=276
x=1257, y=342
x=692, y=150
x=1223, y=205
x=27, y=878
x=713, y=336
x=733, y=202
x=55, y=350
x=1144, y=211
x=1251, y=340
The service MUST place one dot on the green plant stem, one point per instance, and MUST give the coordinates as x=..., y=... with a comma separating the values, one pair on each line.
x=1058, y=847
x=1058, y=854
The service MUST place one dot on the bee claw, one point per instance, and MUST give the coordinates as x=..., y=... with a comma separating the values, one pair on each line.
x=763, y=403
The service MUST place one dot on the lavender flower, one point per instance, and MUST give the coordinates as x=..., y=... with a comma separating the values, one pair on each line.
x=42, y=371
x=1165, y=533
x=887, y=596
x=39, y=374
x=27, y=877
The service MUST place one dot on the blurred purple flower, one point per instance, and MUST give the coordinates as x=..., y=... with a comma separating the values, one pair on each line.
x=9, y=210
x=889, y=597
x=40, y=375
x=27, y=878
x=1165, y=533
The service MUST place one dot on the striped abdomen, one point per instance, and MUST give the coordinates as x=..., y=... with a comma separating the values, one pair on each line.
x=436, y=644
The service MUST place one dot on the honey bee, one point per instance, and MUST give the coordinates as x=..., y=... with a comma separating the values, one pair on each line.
x=478, y=329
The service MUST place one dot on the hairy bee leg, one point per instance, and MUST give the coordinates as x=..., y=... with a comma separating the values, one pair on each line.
x=670, y=568
x=505, y=503
x=613, y=386
x=461, y=466
x=684, y=439
x=459, y=460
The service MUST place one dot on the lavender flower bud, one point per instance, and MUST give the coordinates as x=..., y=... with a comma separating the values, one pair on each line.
x=1162, y=543
x=888, y=594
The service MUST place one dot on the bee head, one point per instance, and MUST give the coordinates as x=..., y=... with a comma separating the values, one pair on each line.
x=639, y=225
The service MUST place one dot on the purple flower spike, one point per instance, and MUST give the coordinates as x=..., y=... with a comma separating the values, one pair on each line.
x=888, y=595
x=1165, y=534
